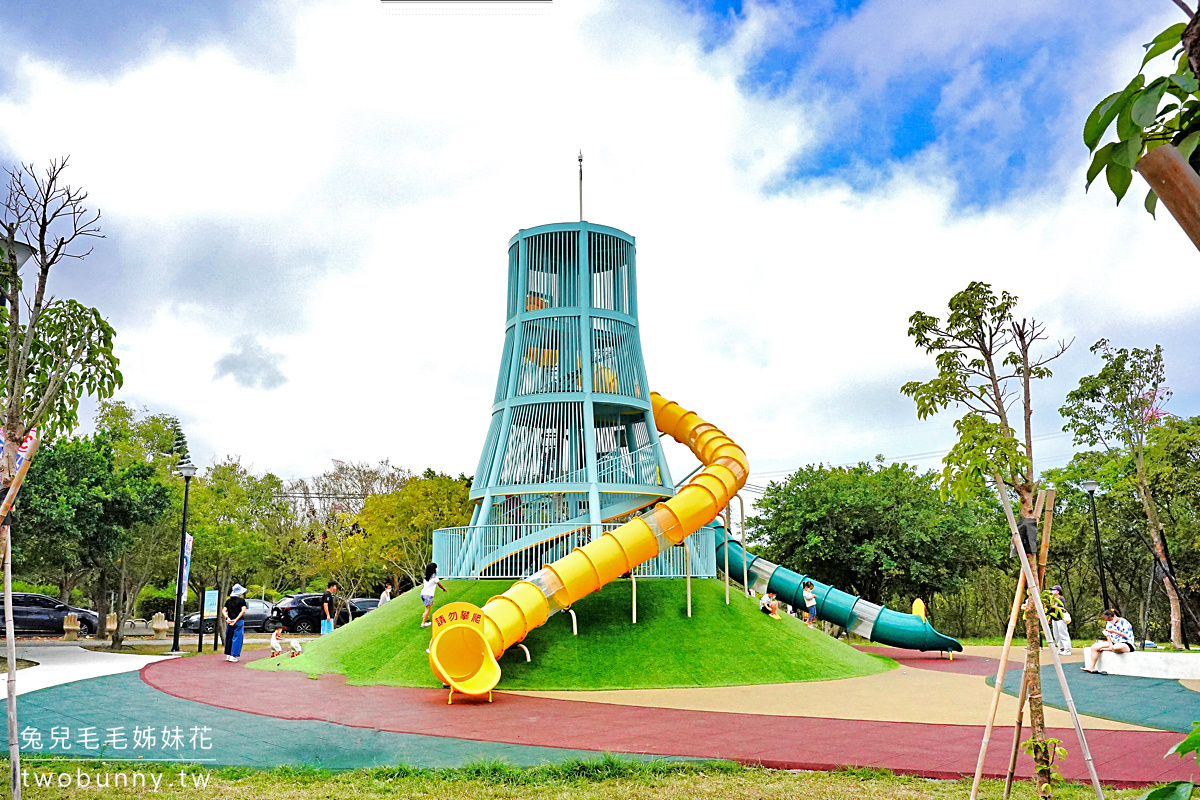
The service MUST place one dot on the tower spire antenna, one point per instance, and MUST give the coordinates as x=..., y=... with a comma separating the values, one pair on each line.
x=581, y=186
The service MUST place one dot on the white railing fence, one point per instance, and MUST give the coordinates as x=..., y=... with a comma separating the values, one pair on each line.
x=519, y=550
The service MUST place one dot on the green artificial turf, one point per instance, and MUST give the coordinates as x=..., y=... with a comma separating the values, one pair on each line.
x=718, y=646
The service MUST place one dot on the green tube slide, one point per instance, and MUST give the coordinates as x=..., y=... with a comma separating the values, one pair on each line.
x=868, y=620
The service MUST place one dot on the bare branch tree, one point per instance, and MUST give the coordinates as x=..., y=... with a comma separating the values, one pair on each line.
x=58, y=353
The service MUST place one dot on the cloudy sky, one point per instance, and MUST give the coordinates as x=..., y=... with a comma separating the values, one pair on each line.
x=307, y=205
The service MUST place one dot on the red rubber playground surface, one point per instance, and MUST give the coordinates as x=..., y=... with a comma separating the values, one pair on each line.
x=1122, y=757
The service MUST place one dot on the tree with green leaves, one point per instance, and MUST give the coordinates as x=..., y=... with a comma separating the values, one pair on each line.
x=55, y=351
x=987, y=361
x=882, y=530
x=327, y=505
x=399, y=525
x=1116, y=409
x=79, y=512
x=67, y=512
x=59, y=351
x=151, y=546
x=233, y=507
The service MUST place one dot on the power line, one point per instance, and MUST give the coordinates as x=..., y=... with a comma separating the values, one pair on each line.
x=778, y=473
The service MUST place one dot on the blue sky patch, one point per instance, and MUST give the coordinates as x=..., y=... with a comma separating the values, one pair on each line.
x=107, y=37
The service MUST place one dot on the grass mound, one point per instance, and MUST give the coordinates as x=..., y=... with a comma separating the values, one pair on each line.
x=718, y=646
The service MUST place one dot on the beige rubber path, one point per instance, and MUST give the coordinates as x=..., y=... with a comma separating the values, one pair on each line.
x=904, y=694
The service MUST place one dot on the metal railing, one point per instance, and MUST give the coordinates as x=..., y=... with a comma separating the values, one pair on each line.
x=514, y=550
x=637, y=467
x=518, y=551
x=673, y=562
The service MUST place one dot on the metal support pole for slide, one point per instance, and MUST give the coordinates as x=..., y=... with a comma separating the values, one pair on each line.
x=991, y=718
x=745, y=553
x=633, y=582
x=574, y=622
x=728, y=534
x=687, y=557
x=1030, y=579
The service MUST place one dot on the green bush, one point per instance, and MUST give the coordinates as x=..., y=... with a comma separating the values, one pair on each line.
x=147, y=607
x=152, y=600
x=35, y=588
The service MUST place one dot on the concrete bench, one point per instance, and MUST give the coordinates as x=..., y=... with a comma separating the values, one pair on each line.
x=1173, y=666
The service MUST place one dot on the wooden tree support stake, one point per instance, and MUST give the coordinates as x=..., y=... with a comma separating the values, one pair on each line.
x=1177, y=186
x=1043, y=552
x=987, y=730
x=1035, y=596
x=14, y=743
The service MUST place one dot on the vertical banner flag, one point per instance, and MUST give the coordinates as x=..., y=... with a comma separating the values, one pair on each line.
x=23, y=450
x=22, y=465
x=187, y=564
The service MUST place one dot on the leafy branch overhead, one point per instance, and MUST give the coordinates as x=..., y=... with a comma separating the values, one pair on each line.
x=1143, y=120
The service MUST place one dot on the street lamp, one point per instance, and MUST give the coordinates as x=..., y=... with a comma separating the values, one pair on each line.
x=1090, y=487
x=188, y=470
x=23, y=253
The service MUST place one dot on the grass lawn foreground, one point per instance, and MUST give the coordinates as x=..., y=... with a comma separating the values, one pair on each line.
x=605, y=778
x=718, y=646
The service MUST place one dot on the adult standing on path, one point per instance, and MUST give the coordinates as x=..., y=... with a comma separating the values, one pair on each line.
x=234, y=613
x=386, y=594
x=1059, y=619
x=329, y=608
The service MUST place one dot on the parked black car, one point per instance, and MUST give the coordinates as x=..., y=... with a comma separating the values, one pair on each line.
x=260, y=616
x=37, y=613
x=365, y=604
x=302, y=613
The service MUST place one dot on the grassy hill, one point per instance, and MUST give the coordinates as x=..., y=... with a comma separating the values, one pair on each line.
x=718, y=646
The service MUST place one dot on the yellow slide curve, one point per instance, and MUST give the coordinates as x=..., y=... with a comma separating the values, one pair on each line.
x=468, y=640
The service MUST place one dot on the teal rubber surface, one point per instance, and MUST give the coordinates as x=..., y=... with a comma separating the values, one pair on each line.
x=1151, y=702
x=893, y=628
x=237, y=738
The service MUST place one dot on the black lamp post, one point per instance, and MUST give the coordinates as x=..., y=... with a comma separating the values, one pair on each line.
x=188, y=470
x=1090, y=487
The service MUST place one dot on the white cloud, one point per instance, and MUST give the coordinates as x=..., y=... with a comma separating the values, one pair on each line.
x=413, y=147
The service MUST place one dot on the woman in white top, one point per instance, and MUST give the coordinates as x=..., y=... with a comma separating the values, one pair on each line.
x=386, y=594
x=430, y=585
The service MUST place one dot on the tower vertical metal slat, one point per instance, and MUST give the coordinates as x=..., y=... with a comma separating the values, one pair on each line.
x=571, y=444
x=588, y=342
x=470, y=549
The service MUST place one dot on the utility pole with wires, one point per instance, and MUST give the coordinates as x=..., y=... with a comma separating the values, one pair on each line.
x=581, y=186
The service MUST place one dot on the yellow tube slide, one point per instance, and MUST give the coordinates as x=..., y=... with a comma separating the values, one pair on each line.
x=508, y=618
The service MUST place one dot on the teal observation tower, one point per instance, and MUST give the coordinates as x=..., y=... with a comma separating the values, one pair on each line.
x=571, y=450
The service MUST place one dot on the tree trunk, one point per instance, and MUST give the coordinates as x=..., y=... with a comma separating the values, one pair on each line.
x=100, y=600
x=1033, y=675
x=223, y=587
x=118, y=637
x=1033, y=680
x=14, y=743
x=1160, y=550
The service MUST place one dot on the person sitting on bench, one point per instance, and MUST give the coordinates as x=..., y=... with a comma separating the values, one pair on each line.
x=1118, y=635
